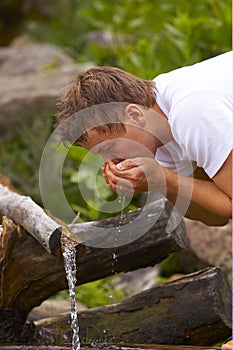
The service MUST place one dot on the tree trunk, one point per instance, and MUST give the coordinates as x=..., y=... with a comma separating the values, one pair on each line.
x=110, y=347
x=195, y=309
x=29, y=274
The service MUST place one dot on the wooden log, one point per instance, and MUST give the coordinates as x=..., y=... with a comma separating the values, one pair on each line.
x=195, y=309
x=30, y=275
x=110, y=347
x=25, y=263
x=147, y=250
x=25, y=212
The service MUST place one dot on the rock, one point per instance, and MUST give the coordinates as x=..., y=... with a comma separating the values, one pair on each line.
x=137, y=281
x=29, y=57
x=211, y=245
x=51, y=308
x=31, y=79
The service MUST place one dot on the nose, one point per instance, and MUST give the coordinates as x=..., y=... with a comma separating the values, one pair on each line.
x=106, y=157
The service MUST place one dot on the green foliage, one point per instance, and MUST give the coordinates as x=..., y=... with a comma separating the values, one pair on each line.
x=94, y=294
x=20, y=157
x=170, y=266
x=98, y=293
x=148, y=37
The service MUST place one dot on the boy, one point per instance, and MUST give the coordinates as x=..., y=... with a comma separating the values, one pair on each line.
x=174, y=133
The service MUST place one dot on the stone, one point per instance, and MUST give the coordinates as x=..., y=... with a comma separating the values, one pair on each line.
x=51, y=308
x=212, y=245
x=25, y=56
x=32, y=77
x=134, y=282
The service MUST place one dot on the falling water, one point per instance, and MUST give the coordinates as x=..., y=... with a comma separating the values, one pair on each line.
x=121, y=200
x=69, y=254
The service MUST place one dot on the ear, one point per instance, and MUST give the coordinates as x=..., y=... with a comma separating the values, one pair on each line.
x=135, y=114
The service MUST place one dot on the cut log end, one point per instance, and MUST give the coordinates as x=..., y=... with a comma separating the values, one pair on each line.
x=55, y=242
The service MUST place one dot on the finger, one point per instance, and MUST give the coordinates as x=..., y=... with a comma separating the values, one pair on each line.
x=126, y=164
x=122, y=186
x=106, y=179
x=124, y=174
x=112, y=178
x=103, y=168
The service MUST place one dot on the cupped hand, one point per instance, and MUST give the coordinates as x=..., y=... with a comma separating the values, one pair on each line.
x=134, y=175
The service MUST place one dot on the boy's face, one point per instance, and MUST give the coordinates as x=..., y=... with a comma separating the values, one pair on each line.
x=135, y=142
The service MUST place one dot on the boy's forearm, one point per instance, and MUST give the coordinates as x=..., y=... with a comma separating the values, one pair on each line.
x=201, y=200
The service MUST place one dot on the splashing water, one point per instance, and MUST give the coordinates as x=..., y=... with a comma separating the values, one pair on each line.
x=69, y=255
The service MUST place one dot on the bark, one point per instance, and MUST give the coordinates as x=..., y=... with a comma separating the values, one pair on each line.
x=193, y=310
x=24, y=262
x=110, y=347
x=30, y=275
x=32, y=218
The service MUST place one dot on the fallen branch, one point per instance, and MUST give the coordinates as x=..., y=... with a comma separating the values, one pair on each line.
x=26, y=213
x=30, y=275
x=195, y=309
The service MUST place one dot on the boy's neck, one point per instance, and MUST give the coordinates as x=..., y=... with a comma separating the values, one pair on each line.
x=159, y=125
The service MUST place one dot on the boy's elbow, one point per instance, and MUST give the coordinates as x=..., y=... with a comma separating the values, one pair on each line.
x=222, y=222
x=216, y=220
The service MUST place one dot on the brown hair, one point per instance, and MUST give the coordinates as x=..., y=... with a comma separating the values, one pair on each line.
x=100, y=85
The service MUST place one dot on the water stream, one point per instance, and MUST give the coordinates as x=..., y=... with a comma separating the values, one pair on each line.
x=121, y=200
x=69, y=254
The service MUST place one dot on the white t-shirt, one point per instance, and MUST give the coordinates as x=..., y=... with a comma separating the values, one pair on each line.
x=198, y=103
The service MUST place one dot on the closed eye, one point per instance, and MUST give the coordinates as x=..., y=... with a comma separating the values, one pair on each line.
x=107, y=147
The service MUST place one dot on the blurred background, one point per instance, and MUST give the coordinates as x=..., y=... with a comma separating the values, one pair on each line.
x=44, y=44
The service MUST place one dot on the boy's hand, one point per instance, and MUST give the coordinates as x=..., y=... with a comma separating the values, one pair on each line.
x=134, y=175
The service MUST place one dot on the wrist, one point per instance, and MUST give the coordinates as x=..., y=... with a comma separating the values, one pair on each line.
x=159, y=179
x=170, y=181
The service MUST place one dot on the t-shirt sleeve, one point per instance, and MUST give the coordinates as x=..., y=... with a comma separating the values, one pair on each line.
x=202, y=123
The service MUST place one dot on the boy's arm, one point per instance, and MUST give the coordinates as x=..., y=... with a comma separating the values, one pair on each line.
x=210, y=200
x=195, y=198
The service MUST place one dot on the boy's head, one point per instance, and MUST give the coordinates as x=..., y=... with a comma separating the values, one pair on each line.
x=102, y=85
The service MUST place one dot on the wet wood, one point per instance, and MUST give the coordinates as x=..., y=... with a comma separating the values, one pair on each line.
x=30, y=275
x=193, y=310
x=111, y=347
